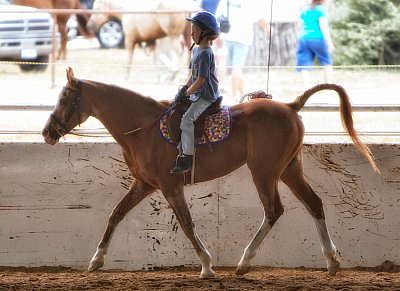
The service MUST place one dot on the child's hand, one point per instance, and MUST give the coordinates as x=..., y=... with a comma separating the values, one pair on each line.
x=181, y=95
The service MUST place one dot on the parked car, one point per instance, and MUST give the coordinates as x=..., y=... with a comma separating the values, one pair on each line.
x=26, y=37
x=109, y=31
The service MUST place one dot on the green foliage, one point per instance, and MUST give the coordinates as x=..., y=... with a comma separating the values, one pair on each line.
x=368, y=33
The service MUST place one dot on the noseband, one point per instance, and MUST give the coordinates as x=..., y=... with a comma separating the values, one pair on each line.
x=60, y=126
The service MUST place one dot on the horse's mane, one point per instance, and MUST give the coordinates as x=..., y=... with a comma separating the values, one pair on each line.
x=123, y=92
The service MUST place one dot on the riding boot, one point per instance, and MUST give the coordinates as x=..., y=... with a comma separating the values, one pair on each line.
x=183, y=164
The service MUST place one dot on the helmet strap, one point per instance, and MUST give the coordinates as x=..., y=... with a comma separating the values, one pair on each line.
x=202, y=35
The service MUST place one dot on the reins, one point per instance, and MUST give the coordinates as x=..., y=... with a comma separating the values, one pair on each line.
x=61, y=126
x=133, y=130
x=169, y=109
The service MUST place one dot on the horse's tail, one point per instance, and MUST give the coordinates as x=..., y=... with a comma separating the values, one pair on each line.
x=346, y=114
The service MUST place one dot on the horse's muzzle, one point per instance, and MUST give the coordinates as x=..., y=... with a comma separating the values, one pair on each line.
x=50, y=136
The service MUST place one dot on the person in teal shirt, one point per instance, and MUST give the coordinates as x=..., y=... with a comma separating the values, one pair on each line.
x=314, y=41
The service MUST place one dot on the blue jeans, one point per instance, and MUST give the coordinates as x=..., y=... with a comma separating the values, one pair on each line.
x=308, y=49
x=187, y=125
x=237, y=53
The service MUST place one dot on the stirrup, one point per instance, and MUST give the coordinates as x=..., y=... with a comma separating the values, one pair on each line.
x=183, y=164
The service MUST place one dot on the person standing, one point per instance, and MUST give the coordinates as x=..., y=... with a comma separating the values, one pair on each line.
x=209, y=5
x=314, y=41
x=242, y=16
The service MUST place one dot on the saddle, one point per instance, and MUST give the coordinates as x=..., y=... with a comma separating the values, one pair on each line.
x=175, y=116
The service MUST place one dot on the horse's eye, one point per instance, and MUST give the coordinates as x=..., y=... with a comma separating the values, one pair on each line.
x=62, y=102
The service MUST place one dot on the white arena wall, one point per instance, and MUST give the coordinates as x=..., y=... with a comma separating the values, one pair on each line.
x=55, y=202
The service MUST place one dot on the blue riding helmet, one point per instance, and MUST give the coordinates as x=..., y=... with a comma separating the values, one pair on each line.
x=206, y=21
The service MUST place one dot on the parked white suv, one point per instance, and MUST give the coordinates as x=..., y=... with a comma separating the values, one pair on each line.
x=26, y=37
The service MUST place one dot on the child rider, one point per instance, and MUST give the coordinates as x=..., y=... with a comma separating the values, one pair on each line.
x=201, y=87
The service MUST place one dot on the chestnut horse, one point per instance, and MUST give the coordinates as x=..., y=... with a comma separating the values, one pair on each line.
x=62, y=19
x=144, y=28
x=267, y=135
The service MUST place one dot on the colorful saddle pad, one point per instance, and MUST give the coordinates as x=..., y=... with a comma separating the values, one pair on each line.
x=217, y=127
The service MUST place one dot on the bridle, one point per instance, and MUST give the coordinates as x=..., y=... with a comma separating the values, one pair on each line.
x=60, y=126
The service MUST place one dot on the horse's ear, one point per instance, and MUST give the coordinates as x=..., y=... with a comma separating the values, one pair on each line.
x=71, y=77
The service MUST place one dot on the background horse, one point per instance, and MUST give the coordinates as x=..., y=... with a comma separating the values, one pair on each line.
x=62, y=19
x=267, y=135
x=145, y=29
x=98, y=19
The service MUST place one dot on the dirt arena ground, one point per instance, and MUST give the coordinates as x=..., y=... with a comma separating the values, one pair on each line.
x=385, y=277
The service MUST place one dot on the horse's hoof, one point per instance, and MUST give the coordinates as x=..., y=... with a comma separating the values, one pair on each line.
x=333, y=266
x=240, y=271
x=95, y=265
x=207, y=274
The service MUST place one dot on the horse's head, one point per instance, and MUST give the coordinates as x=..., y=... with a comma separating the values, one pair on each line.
x=97, y=19
x=67, y=113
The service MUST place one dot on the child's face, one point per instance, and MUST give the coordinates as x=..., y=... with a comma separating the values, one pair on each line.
x=196, y=31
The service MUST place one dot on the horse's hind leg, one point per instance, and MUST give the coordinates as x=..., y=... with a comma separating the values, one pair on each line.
x=293, y=177
x=136, y=193
x=130, y=47
x=176, y=200
x=273, y=209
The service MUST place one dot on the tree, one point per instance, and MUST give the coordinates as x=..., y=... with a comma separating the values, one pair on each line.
x=368, y=33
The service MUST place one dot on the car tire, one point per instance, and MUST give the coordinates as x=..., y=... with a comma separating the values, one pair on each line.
x=36, y=67
x=110, y=34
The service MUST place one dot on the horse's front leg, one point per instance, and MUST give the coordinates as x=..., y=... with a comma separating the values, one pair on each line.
x=136, y=193
x=62, y=52
x=176, y=200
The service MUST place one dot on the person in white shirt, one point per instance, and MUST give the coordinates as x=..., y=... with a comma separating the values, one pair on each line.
x=233, y=46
